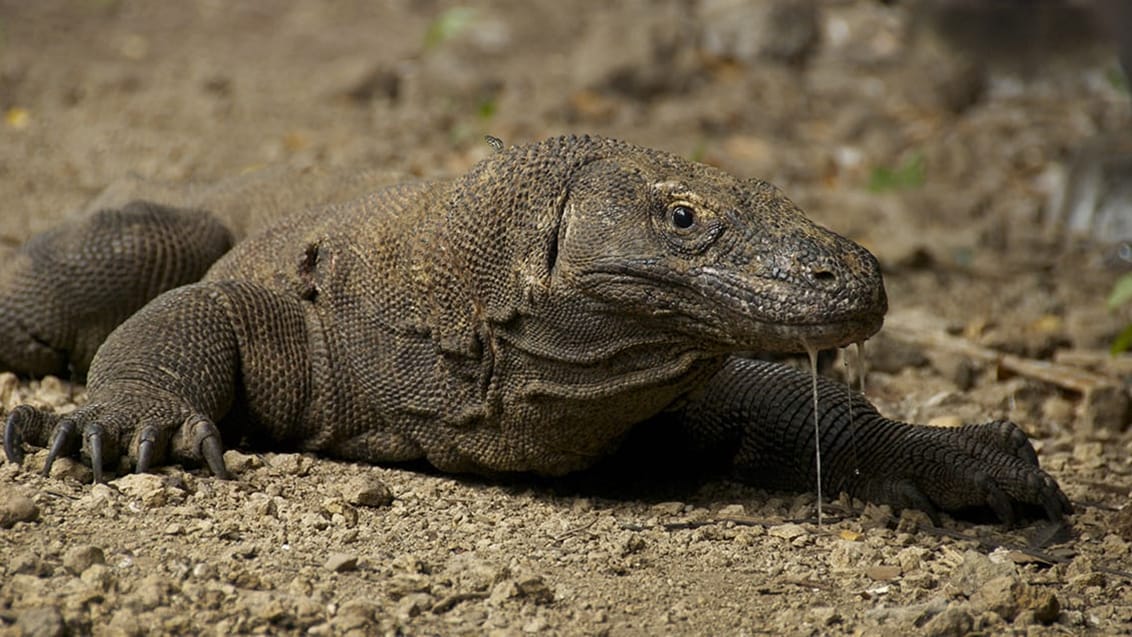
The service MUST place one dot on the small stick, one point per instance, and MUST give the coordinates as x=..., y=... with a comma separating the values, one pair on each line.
x=1104, y=400
x=910, y=329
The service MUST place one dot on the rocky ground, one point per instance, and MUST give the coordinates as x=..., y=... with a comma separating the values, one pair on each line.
x=949, y=153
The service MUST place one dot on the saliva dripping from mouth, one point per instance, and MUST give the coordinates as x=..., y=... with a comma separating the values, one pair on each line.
x=859, y=347
x=812, y=352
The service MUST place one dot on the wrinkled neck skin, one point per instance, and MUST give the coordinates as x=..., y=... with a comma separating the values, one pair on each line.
x=568, y=373
x=570, y=379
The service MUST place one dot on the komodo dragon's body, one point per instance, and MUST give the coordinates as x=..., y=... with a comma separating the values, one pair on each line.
x=523, y=317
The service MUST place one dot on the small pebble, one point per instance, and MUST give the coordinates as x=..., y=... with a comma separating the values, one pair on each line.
x=148, y=488
x=668, y=508
x=16, y=507
x=367, y=491
x=732, y=511
x=404, y=583
x=535, y=587
x=238, y=462
x=413, y=604
x=9, y=391
x=355, y=615
x=341, y=562
x=41, y=622
x=290, y=464
x=954, y=620
x=883, y=572
x=54, y=391
x=536, y=625
x=79, y=558
x=999, y=595
x=99, y=577
x=787, y=531
x=68, y=468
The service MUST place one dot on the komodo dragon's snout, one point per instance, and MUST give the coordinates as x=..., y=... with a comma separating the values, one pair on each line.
x=729, y=259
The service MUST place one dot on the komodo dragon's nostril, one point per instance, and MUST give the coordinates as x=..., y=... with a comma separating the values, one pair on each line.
x=823, y=276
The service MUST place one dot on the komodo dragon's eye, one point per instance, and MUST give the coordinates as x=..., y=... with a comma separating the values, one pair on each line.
x=687, y=229
x=683, y=217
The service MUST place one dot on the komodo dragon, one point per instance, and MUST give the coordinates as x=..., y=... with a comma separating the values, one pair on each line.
x=520, y=318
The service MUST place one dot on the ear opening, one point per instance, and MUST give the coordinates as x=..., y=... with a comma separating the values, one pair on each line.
x=554, y=236
x=552, y=251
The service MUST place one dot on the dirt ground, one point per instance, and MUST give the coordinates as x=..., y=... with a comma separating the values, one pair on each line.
x=946, y=156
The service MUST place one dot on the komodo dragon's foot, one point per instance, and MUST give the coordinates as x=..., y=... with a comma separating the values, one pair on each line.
x=167, y=376
x=103, y=436
x=988, y=467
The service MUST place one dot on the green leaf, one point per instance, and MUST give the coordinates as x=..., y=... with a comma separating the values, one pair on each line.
x=909, y=174
x=1117, y=79
x=1122, y=342
x=699, y=151
x=487, y=108
x=448, y=25
x=1121, y=292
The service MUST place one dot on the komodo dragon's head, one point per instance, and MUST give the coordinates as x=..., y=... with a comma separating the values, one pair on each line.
x=665, y=244
x=727, y=259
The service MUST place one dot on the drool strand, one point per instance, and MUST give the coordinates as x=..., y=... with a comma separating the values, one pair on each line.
x=817, y=422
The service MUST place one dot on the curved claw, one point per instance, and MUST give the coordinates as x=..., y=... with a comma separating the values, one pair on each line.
x=1053, y=500
x=205, y=439
x=106, y=435
x=145, y=456
x=12, y=438
x=998, y=501
x=909, y=496
x=64, y=436
x=93, y=434
x=213, y=454
x=147, y=448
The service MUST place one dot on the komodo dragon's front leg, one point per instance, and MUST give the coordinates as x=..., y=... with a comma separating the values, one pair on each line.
x=164, y=381
x=758, y=418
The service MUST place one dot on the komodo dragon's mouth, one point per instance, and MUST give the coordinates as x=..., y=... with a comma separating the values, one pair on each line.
x=795, y=316
x=782, y=316
x=799, y=338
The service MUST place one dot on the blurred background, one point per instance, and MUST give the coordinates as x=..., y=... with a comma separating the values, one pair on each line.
x=981, y=149
x=966, y=115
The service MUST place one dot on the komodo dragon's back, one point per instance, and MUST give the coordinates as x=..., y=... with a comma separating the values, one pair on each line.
x=522, y=317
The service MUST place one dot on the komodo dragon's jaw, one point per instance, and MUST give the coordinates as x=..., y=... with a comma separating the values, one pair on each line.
x=731, y=262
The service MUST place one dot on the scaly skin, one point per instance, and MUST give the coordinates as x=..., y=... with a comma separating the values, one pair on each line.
x=523, y=317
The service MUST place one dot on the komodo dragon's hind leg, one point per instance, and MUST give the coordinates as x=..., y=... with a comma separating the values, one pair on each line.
x=66, y=289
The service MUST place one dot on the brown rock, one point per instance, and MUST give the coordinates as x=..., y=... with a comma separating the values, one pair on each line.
x=79, y=558
x=41, y=622
x=369, y=491
x=341, y=562
x=16, y=507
